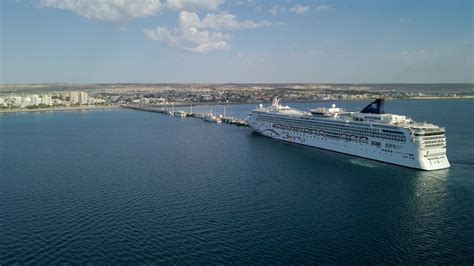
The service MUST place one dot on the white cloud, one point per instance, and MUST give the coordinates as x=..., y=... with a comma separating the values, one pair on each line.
x=201, y=35
x=188, y=37
x=211, y=33
x=227, y=22
x=106, y=10
x=275, y=10
x=323, y=8
x=299, y=9
x=209, y=47
x=194, y=4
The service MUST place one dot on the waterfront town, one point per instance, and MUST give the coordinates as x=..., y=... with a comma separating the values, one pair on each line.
x=15, y=97
x=35, y=101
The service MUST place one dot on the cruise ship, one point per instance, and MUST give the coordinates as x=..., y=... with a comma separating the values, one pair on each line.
x=370, y=133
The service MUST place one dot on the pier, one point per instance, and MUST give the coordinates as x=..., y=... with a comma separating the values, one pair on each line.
x=225, y=119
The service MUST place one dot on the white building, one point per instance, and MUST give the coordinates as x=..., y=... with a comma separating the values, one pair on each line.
x=46, y=100
x=98, y=100
x=2, y=102
x=57, y=102
x=74, y=97
x=25, y=101
x=83, y=97
x=16, y=101
x=35, y=99
x=144, y=101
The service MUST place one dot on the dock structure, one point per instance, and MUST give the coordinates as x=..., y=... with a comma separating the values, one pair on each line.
x=224, y=119
x=234, y=121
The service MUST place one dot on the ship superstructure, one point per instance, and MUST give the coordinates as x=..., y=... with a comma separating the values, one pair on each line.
x=370, y=133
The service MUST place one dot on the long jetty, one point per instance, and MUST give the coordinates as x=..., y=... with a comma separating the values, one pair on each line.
x=224, y=119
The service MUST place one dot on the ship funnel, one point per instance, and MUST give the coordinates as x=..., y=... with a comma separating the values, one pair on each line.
x=376, y=107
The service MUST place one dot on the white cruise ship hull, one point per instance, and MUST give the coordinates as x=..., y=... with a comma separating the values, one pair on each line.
x=409, y=156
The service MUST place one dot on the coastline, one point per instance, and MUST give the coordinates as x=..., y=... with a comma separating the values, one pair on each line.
x=180, y=104
x=87, y=108
x=58, y=109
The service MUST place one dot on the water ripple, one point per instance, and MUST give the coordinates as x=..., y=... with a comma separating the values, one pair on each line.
x=129, y=187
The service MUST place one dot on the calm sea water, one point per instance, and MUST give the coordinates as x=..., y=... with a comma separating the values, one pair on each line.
x=128, y=186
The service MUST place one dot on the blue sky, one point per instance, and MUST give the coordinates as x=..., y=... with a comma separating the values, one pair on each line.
x=108, y=41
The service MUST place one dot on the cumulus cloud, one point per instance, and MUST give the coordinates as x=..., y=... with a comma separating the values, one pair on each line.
x=209, y=47
x=227, y=22
x=299, y=9
x=190, y=39
x=106, y=10
x=201, y=35
x=194, y=4
x=192, y=33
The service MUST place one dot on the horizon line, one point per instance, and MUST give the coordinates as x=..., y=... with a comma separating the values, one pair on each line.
x=229, y=83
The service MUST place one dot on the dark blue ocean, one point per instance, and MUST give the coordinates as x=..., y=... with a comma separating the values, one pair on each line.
x=123, y=186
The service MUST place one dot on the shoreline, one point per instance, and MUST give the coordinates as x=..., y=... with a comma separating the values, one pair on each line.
x=88, y=108
x=58, y=109
x=303, y=101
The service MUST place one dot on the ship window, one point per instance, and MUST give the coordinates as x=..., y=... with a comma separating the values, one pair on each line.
x=375, y=143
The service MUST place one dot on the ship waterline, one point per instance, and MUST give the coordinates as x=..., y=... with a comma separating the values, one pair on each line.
x=370, y=134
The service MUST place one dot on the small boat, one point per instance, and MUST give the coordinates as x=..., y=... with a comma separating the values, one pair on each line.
x=212, y=118
x=180, y=113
